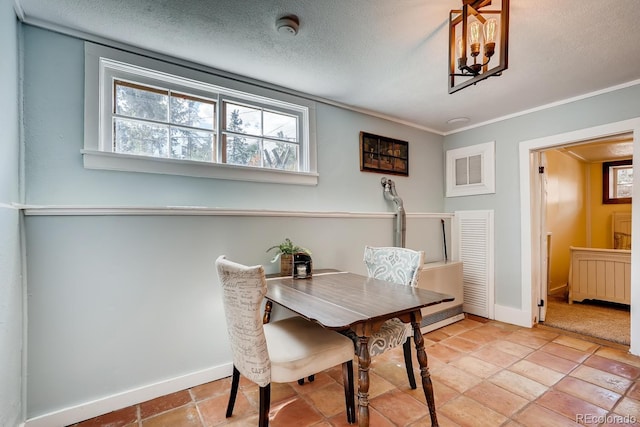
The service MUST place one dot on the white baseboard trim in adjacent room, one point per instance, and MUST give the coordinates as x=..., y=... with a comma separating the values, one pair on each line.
x=127, y=398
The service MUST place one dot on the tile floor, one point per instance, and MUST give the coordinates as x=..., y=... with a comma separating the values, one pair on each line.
x=485, y=373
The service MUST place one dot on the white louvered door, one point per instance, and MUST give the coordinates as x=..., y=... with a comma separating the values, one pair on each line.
x=474, y=247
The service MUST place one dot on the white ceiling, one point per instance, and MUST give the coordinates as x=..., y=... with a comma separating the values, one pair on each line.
x=388, y=57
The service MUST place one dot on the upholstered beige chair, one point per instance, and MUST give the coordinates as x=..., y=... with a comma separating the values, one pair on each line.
x=401, y=266
x=281, y=351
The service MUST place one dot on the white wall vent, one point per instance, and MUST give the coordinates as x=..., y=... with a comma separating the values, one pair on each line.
x=474, y=247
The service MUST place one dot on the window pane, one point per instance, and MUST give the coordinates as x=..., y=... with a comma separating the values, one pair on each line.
x=242, y=151
x=624, y=181
x=461, y=171
x=280, y=126
x=243, y=119
x=140, y=102
x=280, y=155
x=475, y=169
x=141, y=138
x=190, y=144
x=190, y=111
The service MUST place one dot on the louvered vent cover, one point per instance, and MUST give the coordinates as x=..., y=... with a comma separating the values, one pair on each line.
x=475, y=237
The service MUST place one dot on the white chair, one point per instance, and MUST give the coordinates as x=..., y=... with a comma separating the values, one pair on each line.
x=401, y=266
x=281, y=351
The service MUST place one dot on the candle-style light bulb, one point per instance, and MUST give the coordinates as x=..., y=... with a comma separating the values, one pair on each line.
x=490, y=33
x=474, y=31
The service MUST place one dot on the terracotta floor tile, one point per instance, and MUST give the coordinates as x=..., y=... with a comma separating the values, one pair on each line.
x=456, y=378
x=399, y=408
x=465, y=411
x=542, y=333
x=442, y=393
x=513, y=348
x=471, y=322
x=329, y=400
x=455, y=329
x=379, y=385
x=532, y=415
x=392, y=372
x=164, y=403
x=214, y=388
x=603, y=379
x=461, y=344
x=527, y=339
x=443, y=353
x=497, y=398
x=571, y=407
x=518, y=384
x=443, y=421
x=295, y=412
x=619, y=355
x=214, y=410
x=588, y=392
x=578, y=344
x=474, y=335
x=565, y=352
x=634, y=391
x=321, y=379
x=279, y=391
x=628, y=408
x=550, y=361
x=536, y=372
x=493, y=331
x=118, y=418
x=185, y=416
x=436, y=336
x=613, y=366
x=495, y=356
x=475, y=366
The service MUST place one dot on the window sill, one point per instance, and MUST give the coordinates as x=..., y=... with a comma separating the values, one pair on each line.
x=130, y=163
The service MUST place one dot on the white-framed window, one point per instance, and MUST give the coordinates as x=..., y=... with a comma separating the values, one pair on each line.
x=470, y=170
x=147, y=115
x=617, y=180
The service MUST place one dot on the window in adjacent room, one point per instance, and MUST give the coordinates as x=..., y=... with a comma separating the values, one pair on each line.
x=617, y=181
x=145, y=115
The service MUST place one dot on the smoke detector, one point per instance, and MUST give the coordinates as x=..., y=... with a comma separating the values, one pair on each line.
x=288, y=25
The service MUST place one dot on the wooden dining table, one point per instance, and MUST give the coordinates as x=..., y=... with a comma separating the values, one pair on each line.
x=343, y=300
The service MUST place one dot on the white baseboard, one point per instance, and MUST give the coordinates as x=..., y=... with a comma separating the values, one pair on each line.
x=557, y=289
x=114, y=402
x=512, y=315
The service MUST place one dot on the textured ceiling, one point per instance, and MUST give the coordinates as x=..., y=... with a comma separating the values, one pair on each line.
x=388, y=57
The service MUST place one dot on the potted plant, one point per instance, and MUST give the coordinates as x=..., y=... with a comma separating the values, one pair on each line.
x=285, y=251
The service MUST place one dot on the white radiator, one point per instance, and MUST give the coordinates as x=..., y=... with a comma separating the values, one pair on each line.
x=473, y=245
x=444, y=277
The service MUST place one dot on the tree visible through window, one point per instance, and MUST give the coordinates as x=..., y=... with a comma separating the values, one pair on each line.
x=161, y=123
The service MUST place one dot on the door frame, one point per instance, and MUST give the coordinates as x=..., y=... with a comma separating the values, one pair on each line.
x=531, y=263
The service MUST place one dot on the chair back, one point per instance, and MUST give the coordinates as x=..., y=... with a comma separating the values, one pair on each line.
x=243, y=290
x=398, y=265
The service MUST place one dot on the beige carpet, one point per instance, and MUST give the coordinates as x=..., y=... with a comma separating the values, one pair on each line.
x=602, y=320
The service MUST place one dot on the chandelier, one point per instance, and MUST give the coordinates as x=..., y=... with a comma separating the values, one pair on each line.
x=477, y=24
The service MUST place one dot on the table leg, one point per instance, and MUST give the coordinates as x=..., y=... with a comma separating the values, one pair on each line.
x=267, y=312
x=364, y=360
x=427, y=386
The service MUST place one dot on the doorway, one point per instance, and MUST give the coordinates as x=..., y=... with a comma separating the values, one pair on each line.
x=573, y=215
x=533, y=263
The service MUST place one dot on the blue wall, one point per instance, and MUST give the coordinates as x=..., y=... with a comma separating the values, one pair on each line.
x=11, y=311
